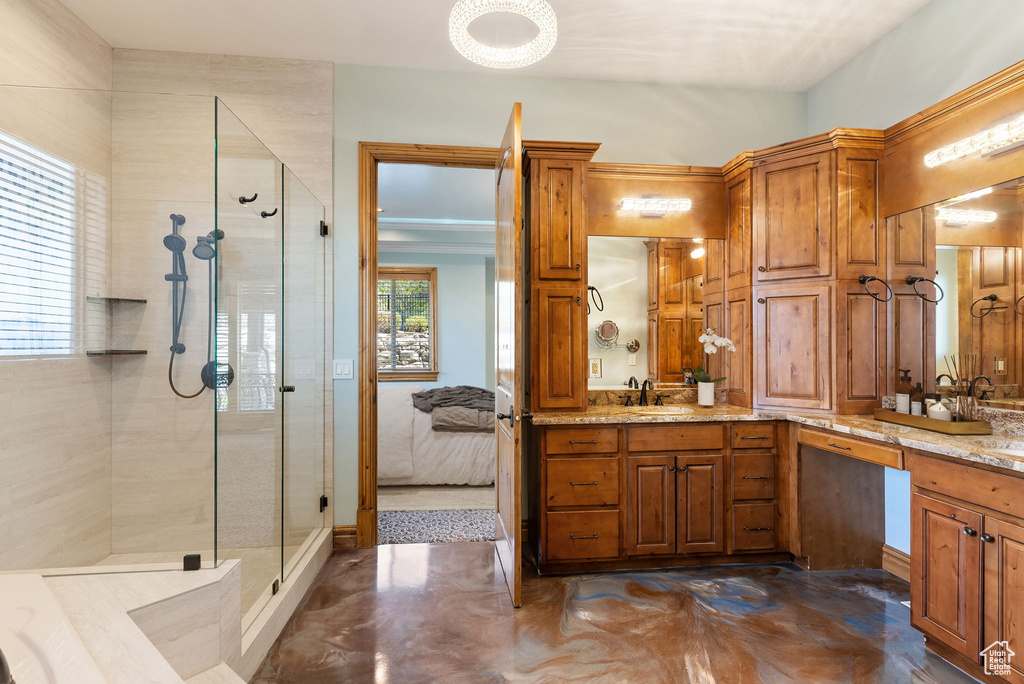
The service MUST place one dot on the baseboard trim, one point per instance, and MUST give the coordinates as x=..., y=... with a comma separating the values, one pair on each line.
x=896, y=562
x=344, y=537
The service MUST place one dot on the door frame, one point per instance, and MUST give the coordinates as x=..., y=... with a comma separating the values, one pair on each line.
x=371, y=154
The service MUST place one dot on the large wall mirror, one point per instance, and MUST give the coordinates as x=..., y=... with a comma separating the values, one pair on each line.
x=645, y=310
x=978, y=272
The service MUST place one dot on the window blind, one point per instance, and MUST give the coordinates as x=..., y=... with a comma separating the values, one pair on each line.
x=37, y=252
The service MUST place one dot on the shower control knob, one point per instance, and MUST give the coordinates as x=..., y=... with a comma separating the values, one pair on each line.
x=286, y=388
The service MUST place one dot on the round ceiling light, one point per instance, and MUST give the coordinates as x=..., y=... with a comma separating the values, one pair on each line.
x=537, y=11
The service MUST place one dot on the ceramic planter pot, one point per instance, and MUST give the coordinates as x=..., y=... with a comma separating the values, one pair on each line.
x=706, y=394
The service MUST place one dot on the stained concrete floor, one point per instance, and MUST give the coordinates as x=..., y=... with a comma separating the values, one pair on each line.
x=438, y=613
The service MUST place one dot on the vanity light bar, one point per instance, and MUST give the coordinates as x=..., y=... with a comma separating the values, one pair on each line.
x=965, y=216
x=970, y=195
x=654, y=205
x=995, y=138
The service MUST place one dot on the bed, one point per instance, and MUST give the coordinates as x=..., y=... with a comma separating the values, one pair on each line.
x=410, y=452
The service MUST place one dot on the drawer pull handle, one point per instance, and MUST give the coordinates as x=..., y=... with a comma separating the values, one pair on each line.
x=582, y=484
x=754, y=437
x=757, y=477
x=987, y=538
x=589, y=441
x=765, y=528
x=839, y=446
x=970, y=531
x=589, y=536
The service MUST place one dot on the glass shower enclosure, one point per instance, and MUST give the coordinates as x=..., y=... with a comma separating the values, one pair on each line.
x=164, y=346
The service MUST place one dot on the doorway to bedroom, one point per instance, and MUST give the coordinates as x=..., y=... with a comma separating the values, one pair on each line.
x=435, y=353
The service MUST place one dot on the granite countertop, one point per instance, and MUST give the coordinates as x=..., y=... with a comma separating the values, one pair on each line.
x=985, y=449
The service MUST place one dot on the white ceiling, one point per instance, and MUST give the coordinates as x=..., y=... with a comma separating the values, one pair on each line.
x=761, y=44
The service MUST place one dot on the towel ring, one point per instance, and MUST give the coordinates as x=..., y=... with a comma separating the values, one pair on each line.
x=991, y=299
x=865, y=279
x=914, y=280
x=1016, y=305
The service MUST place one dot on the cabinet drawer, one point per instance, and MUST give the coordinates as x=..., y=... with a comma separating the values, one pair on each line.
x=582, y=441
x=676, y=438
x=753, y=475
x=890, y=457
x=994, y=491
x=577, y=535
x=753, y=527
x=758, y=436
x=582, y=482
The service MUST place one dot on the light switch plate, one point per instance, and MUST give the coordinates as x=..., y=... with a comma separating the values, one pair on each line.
x=344, y=369
x=631, y=359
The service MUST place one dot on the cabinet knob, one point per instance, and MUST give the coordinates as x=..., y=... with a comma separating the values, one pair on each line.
x=987, y=538
x=577, y=267
x=578, y=300
x=760, y=300
x=970, y=531
x=761, y=269
x=682, y=469
x=671, y=469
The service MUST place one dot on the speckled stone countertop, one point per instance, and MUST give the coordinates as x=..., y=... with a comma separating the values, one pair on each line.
x=985, y=449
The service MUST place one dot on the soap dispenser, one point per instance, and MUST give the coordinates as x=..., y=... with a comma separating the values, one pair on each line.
x=903, y=391
x=917, y=401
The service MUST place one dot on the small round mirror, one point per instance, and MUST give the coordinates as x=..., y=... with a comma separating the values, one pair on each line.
x=607, y=333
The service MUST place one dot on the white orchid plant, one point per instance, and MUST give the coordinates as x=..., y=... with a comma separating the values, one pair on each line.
x=712, y=342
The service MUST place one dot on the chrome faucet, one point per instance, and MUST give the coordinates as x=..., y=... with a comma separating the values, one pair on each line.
x=648, y=385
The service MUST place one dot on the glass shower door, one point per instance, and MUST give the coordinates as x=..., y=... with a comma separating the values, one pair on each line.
x=304, y=368
x=249, y=339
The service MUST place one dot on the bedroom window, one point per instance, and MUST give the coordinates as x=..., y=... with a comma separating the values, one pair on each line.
x=406, y=324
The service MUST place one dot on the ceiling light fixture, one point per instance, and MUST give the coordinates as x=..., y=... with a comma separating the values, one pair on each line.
x=539, y=12
x=1010, y=133
x=961, y=217
x=697, y=253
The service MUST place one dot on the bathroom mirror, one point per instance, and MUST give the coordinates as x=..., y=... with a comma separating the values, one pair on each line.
x=645, y=309
x=978, y=283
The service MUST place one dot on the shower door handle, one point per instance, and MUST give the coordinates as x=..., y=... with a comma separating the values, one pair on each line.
x=286, y=388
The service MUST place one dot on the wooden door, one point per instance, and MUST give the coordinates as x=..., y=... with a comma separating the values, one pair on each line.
x=1003, y=545
x=652, y=275
x=714, y=266
x=994, y=335
x=509, y=377
x=911, y=250
x=714, y=317
x=793, y=218
x=860, y=234
x=672, y=346
x=652, y=346
x=738, y=368
x=739, y=246
x=651, y=505
x=557, y=219
x=912, y=343
x=559, y=358
x=673, y=256
x=793, y=346
x=861, y=345
x=945, y=573
x=700, y=506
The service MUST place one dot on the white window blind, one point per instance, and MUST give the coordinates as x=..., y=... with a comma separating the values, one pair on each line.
x=37, y=252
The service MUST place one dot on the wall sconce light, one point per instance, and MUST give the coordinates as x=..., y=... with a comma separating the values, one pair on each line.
x=961, y=217
x=654, y=206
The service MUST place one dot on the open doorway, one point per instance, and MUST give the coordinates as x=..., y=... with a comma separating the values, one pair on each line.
x=435, y=353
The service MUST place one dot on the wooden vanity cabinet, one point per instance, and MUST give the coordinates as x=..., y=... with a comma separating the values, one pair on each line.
x=967, y=558
x=555, y=175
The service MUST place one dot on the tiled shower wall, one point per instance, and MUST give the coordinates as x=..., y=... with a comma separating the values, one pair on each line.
x=55, y=410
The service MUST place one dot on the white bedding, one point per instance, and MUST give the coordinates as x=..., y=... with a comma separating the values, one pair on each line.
x=409, y=452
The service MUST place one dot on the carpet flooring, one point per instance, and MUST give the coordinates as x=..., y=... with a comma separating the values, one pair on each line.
x=435, y=498
x=420, y=527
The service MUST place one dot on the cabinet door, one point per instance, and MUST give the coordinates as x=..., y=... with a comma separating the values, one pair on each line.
x=714, y=317
x=994, y=335
x=714, y=266
x=861, y=347
x=673, y=256
x=695, y=290
x=652, y=275
x=559, y=362
x=652, y=346
x=911, y=246
x=912, y=343
x=1004, y=589
x=738, y=367
x=739, y=246
x=793, y=218
x=792, y=346
x=558, y=239
x=945, y=579
x=651, y=505
x=700, y=504
x=672, y=346
x=860, y=238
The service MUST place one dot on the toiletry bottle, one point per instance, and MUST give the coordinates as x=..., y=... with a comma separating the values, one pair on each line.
x=917, y=401
x=940, y=411
x=929, y=399
x=903, y=392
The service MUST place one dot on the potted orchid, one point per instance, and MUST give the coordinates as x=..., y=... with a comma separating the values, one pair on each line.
x=705, y=384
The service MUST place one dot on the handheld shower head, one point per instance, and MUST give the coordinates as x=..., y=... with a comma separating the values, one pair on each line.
x=174, y=241
x=206, y=246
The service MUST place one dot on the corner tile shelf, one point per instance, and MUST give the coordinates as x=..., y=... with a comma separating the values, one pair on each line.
x=116, y=352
